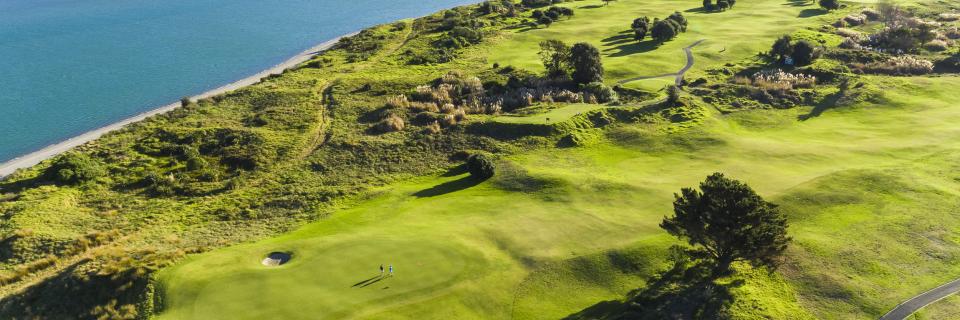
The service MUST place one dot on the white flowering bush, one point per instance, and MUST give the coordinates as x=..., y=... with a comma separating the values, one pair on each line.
x=779, y=80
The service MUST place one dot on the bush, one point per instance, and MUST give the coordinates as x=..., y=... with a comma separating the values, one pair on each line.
x=829, y=4
x=74, y=168
x=480, y=167
x=601, y=92
x=936, y=45
x=391, y=123
x=901, y=65
x=664, y=30
x=803, y=53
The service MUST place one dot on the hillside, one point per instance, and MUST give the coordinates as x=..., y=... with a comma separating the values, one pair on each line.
x=354, y=160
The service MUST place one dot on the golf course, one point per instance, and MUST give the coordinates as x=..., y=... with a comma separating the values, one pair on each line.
x=447, y=167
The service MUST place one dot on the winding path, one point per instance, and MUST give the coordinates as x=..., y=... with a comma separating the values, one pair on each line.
x=905, y=309
x=677, y=75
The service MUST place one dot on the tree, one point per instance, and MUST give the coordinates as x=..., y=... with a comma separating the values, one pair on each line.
x=726, y=221
x=553, y=14
x=680, y=20
x=640, y=27
x=545, y=21
x=664, y=30
x=480, y=167
x=607, y=2
x=803, y=53
x=782, y=47
x=585, y=60
x=555, y=56
x=829, y=4
x=673, y=95
x=723, y=5
x=707, y=5
x=537, y=14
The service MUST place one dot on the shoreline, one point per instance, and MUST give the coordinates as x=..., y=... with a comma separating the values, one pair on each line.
x=35, y=157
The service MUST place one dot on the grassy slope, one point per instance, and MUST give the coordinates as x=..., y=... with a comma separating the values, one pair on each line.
x=869, y=192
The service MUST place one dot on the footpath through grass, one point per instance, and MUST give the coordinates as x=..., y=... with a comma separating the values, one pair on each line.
x=870, y=191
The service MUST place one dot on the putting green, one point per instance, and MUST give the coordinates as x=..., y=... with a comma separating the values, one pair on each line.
x=559, y=114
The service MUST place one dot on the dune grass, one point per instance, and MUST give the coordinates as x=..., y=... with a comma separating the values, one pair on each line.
x=869, y=192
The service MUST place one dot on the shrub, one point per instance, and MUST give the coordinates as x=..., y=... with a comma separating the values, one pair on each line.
x=871, y=14
x=547, y=21
x=673, y=95
x=829, y=4
x=779, y=80
x=398, y=101
x=849, y=43
x=901, y=65
x=936, y=45
x=185, y=101
x=948, y=16
x=601, y=92
x=391, y=123
x=849, y=33
x=855, y=19
x=803, y=53
x=480, y=167
x=74, y=168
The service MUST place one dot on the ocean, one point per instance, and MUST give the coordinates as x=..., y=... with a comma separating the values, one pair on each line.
x=71, y=66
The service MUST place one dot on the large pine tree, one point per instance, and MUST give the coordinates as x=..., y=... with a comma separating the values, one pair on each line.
x=726, y=221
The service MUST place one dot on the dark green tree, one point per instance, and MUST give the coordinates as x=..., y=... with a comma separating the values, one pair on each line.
x=726, y=221
x=803, y=53
x=585, y=60
x=829, y=4
x=545, y=20
x=782, y=47
x=664, y=30
x=555, y=56
x=723, y=5
x=707, y=5
x=641, y=26
x=680, y=20
x=480, y=167
x=673, y=95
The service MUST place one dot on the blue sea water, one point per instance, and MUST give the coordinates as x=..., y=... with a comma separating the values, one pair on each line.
x=70, y=66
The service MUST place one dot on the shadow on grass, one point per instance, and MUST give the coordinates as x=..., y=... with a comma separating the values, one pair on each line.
x=798, y=3
x=828, y=103
x=632, y=48
x=455, y=171
x=592, y=6
x=682, y=292
x=806, y=13
x=448, y=187
x=365, y=282
x=375, y=280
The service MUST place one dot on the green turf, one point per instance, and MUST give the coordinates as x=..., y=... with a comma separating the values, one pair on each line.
x=864, y=188
x=560, y=113
x=750, y=27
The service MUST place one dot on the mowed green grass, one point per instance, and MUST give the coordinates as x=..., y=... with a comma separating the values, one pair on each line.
x=871, y=193
x=561, y=113
x=732, y=35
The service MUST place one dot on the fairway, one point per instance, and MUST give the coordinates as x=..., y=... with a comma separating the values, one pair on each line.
x=730, y=36
x=552, y=220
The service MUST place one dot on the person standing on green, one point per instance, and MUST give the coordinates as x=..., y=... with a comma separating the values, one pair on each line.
x=391, y=270
x=381, y=270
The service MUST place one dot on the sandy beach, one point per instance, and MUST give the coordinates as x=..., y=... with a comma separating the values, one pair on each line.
x=50, y=151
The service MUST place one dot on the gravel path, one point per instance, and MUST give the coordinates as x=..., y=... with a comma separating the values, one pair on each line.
x=677, y=75
x=36, y=157
x=905, y=309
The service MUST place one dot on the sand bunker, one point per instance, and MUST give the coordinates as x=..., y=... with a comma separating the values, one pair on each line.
x=276, y=258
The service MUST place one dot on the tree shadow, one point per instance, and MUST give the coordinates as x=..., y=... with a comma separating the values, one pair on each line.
x=448, y=187
x=592, y=6
x=806, y=13
x=682, y=292
x=702, y=10
x=798, y=3
x=633, y=48
x=455, y=171
x=828, y=102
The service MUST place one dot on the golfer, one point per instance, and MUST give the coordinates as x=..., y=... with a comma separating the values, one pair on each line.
x=391, y=270
x=381, y=270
